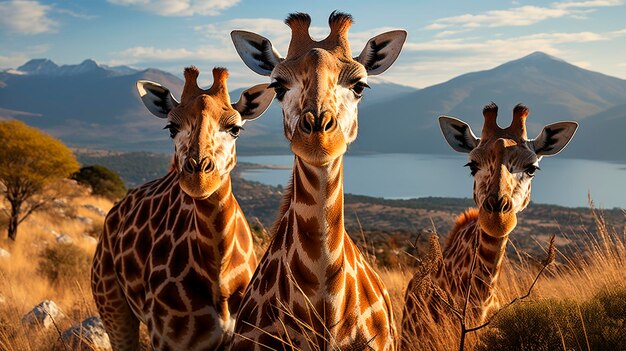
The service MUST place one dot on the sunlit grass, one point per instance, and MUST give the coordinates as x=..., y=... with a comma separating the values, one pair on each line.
x=582, y=273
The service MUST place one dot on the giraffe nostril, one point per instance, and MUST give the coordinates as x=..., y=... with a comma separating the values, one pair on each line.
x=329, y=124
x=492, y=204
x=306, y=126
x=507, y=204
x=206, y=165
x=498, y=204
x=190, y=166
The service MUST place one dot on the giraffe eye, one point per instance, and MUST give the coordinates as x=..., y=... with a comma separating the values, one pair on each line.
x=530, y=170
x=473, y=167
x=358, y=89
x=173, y=128
x=234, y=130
x=279, y=88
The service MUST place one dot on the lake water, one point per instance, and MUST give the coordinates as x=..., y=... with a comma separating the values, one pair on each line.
x=560, y=181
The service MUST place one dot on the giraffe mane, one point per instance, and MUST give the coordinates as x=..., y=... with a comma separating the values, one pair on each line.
x=467, y=217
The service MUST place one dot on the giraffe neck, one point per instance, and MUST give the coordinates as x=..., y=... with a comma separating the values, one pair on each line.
x=313, y=222
x=468, y=243
x=212, y=222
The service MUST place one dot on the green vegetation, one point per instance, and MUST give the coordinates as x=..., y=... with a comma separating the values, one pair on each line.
x=103, y=181
x=135, y=168
x=30, y=161
x=562, y=324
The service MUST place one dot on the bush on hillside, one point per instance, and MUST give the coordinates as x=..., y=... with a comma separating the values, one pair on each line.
x=63, y=264
x=103, y=181
x=553, y=324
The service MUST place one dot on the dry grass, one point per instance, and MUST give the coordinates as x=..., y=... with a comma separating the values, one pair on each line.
x=581, y=273
x=25, y=278
x=579, y=276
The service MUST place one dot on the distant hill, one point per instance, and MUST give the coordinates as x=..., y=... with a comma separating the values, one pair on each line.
x=96, y=106
x=87, y=105
x=603, y=136
x=552, y=88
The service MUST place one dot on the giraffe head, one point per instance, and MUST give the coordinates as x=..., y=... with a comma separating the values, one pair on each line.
x=204, y=126
x=503, y=162
x=319, y=83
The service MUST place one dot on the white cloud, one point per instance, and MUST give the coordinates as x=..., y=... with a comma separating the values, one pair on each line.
x=74, y=14
x=12, y=60
x=179, y=7
x=152, y=54
x=448, y=33
x=587, y=4
x=512, y=46
x=26, y=17
x=16, y=59
x=520, y=16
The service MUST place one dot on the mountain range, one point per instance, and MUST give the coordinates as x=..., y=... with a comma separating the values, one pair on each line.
x=97, y=106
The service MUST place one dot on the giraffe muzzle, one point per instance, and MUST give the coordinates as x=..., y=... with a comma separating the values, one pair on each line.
x=310, y=123
x=203, y=166
x=496, y=215
x=498, y=204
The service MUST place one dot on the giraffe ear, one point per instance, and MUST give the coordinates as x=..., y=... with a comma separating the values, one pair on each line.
x=458, y=134
x=254, y=102
x=554, y=138
x=256, y=51
x=157, y=98
x=382, y=51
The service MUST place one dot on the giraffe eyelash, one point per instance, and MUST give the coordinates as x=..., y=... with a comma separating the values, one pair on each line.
x=173, y=128
x=473, y=167
x=358, y=89
x=531, y=169
x=279, y=87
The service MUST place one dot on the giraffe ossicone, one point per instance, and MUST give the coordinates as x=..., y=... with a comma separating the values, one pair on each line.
x=177, y=253
x=503, y=162
x=313, y=289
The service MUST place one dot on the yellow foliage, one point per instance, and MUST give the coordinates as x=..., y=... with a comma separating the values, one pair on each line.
x=32, y=155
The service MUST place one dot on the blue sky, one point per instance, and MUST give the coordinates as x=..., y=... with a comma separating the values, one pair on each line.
x=446, y=38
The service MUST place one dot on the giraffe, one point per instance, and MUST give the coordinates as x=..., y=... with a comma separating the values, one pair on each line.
x=313, y=289
x=176, y=253
x=503, y=163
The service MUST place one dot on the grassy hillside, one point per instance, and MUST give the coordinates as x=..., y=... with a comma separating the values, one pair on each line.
x=587, y=270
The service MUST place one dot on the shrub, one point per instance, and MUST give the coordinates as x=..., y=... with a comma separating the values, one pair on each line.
x=553, y=324
x=103, y=181
x=63, y=264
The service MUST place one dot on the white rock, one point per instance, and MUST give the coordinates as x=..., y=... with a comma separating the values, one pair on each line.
x=44, y=314
x=95, y=209
x=3, y=299
x=4, y=253
x=84, y=220
x=90, y=239
x=64, y=239
x=87, y=336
